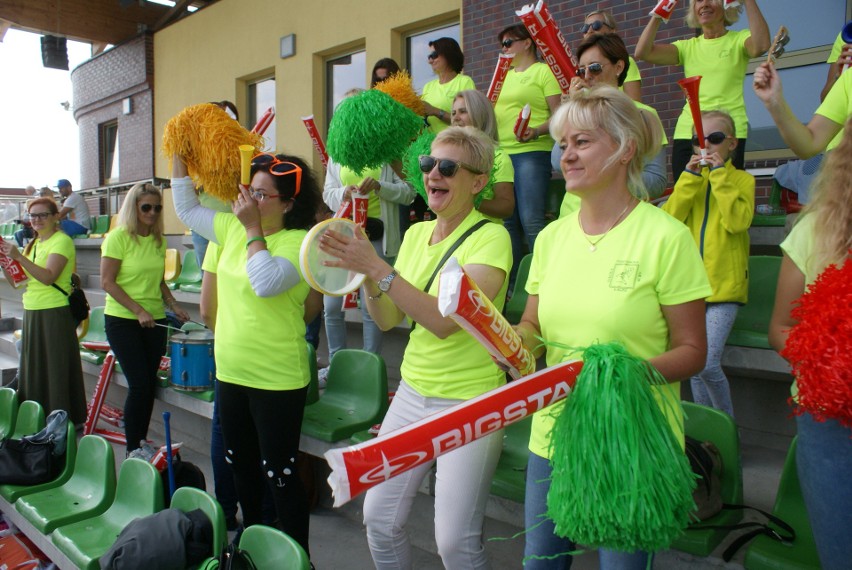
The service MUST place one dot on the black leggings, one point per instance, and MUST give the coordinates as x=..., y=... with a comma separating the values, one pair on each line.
x=138, y=350
x=262, y=427
x=682, y=152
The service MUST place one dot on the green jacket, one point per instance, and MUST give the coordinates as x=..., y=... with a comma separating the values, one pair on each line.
x=717, y=206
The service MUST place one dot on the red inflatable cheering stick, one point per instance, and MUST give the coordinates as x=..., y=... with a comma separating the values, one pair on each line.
x=316, y=138
x=554, y=49
x=503, y=63
x=264, y=121
x=664, y=9
x=690, y=89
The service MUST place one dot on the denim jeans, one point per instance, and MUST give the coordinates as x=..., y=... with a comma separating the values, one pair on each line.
x=824, y=462
x=532, y=177
x=710, y=386
x=199, y=244
x=541, y=540
x=72, y=228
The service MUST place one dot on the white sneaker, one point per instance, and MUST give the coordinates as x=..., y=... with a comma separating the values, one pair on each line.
x=322, y=374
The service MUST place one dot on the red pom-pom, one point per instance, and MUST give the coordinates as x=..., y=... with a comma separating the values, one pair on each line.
x=819, y=347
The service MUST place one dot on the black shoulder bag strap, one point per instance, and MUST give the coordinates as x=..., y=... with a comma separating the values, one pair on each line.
x=449, y=253
x=61, y=290
x=758, y=528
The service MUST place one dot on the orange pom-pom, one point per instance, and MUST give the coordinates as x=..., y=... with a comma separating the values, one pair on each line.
x=208, y=140
x=400, y=88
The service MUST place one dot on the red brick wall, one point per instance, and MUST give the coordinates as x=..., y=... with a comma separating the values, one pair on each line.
x=100, y=87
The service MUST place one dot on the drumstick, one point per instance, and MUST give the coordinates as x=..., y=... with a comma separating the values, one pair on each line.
x=169, y=327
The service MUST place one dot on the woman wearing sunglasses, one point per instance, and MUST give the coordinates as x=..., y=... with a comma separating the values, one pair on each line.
x=720, y=56
x=263, y=304
x=642, y=285
x=447, y=61
x=716, y=202
x=443, y=365
x=50, y=372
x=133, y=262
x=473, y=109
x=529, y=82
x=604, y=61
x=602, y=22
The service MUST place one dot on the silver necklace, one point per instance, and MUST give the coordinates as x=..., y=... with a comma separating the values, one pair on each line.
x=593, y=245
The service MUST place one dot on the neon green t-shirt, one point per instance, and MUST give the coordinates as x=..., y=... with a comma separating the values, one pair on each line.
x=211, y=258
x=457, y=367
x=441, y=96
x=837, y=106
x=722, y=63
x=656, y=117
x=799, y=246
x=531, y=86
x=836, y=49
x=38, y=295
x=143, y=263
x=349, y=177
x=613, y=294
x=633, y=73
x=260, y=341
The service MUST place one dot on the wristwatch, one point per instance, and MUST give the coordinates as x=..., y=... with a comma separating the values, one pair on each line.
x=385, y=284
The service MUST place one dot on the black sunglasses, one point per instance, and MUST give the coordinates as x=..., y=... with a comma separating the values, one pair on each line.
x=446, y=167
x=594, y=26
x=508, y=43
x=148, y=207
x=433, y=55
x=713, y=138
x=593, y=68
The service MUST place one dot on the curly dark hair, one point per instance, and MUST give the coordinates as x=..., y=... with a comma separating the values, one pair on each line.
x=306, y=205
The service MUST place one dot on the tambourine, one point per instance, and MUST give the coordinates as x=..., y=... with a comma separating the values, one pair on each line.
x=332, y=281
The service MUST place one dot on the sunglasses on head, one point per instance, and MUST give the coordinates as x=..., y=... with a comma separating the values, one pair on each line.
x=148, y=207
x=507, y=43
x=433, y=55
x=594, y=26
x=40, y=215
x=593, y=68
x=446, y=167
x=271, y=164
x=713, y=138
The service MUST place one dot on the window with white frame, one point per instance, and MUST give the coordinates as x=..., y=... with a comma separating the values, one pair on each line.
x=261, y=96
x=343, y=73
x=417, y=51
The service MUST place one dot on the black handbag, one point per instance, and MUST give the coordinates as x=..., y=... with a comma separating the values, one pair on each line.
x=232, y=558
x=77, y=301
x=24, y=462
x=375, y=229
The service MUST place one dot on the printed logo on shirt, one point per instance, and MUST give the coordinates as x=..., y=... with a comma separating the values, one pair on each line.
x=725, y=54
x=624, y=275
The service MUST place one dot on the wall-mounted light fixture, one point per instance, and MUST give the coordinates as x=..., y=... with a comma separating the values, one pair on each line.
x=127, y=106
x=288, y=46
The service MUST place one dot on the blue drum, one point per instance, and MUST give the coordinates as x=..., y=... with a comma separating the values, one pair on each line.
x=193, y=366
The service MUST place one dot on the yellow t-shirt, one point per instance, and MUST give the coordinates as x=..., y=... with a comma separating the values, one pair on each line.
x=38, y=295
x=836, y=49
x=531, y=86
x=260, y=341
x=722, y=63
x=837, y=106
x=632, y=72
x=349, y=177
x=211, y=258
x=457, y=367
x=613, y=294
x=441, y=96
x=799, y=246
x=143, y=263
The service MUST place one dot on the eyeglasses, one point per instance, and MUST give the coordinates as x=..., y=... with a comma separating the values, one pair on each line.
x=433, y=55
x=508, y=43
x=713, y=138
x=146, y=208
x=277, y=167
x=40, y=215
x=593, y=68
x=594, y=26
x=446, y=167
x=260, y=196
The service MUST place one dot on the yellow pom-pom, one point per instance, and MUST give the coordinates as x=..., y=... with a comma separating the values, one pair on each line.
x=208, y=140
x=400, y=88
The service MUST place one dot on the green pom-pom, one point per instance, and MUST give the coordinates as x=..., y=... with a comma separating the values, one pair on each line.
x=620, y=477
x=369, y=130
x=411, y=168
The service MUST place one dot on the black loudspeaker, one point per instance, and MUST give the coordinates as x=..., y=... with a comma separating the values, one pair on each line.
x=54, y=52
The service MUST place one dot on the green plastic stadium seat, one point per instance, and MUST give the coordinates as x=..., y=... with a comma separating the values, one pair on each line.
x=13, y=492
x=355, y=398
x=190, y=273
x=765, y=553
x=776, y=220
x=30, y=419
x=751, y=329
x=139, y=493
x=95, y=333
x=189, y=498
x=8, y=411
x=510, y=477
x=515, y=306
x=271, y=548
x=101, y=226
x=708, y=424
x=313, y=382
x=87, y=493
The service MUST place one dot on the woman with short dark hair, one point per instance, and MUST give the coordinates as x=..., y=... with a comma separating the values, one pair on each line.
x=447, y=62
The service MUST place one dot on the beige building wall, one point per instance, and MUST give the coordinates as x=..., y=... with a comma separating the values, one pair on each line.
x=216, y=53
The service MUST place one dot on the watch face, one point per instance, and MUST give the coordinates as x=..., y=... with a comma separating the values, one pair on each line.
x=385, y=283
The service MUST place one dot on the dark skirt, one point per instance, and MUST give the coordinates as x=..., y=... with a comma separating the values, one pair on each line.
x=51, y=373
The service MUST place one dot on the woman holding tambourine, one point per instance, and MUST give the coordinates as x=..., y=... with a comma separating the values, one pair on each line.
x=263, y=302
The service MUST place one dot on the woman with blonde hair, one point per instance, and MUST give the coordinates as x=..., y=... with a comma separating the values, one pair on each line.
x=822, y=236
x=50, y=373
x=133, y=261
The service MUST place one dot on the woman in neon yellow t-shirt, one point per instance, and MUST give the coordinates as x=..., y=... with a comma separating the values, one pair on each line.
x=643, y=285
x=443, y=364
x=720, y=56
x=133, y=261
x=50, y=372
x=602, y=22
x=262, y=306
x=447, y=62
